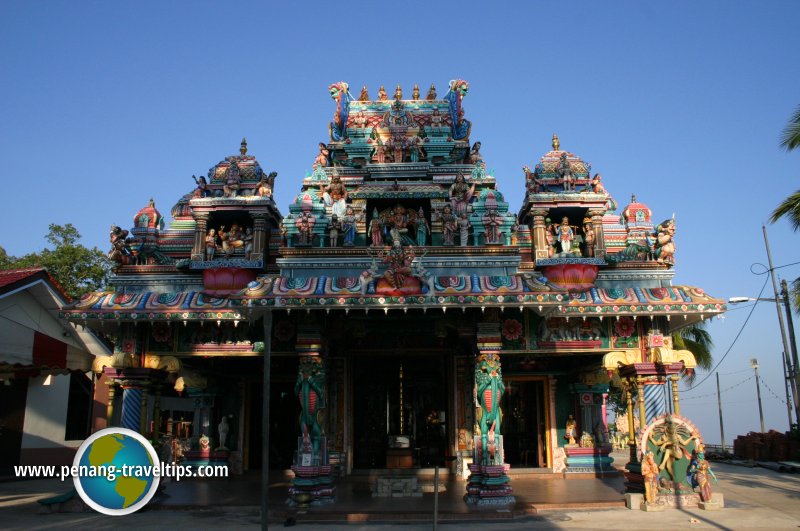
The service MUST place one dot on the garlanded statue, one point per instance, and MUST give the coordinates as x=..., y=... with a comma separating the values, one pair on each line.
x=665, y=243
x=565, y=173
x=364, y=96
x=323, y=157
x=120, y=250
x=431, y=96
x=489, y=391
x=415, y=92
x=202, y=187
x=341, y=94
x=671, y=438
x=423, y=229
x=349, y=227
x=310, y=390
x=564, y=235
x=491, y=225
x=382, y=96
x=571, y=430
x=449, y=225
x=211, y=244
x=460, y=194
x=232, y=180
x=460, y=126
x=398, y=262
x=650, y=474
x=376, y=229
x=335, y=196
x=475, y=153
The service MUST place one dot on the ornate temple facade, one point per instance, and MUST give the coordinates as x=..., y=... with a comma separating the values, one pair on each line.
x=407, y=314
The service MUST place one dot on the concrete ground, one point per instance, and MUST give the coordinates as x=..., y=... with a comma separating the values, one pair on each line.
x=755, y=498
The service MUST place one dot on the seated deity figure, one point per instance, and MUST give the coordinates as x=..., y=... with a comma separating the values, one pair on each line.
x=231, y=240
x=335, y=196
x=263, y=189
x=460, y=194
x=232, y=181
x=360, y=122
x=436, y=123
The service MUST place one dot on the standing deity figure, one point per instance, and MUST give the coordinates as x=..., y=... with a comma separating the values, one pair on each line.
x=120, y=250
x=323, y=157
x=415, y=92
x=489, y=391
x=665, y=243
x=248, y=242
x=463, y=227
x=475, y=153
x=304, y=224
x=564, y=235
x=379, y=152
x=376, y=229
x=222, y=430
x=449, y=225
x=460, y=194
x=423, y=229
x=333, y=228
x=565, y=172
x=211, y=244
x=436, y=123
x=589, y=238
x=335, y=196
x=431, y=96
x=650, y=474
x=382, y=96
x=398, y=144
x=415, y=149
x=349, y=227
x=309, y=388
x=360, y=121
x=364, y=96
x=491, y=225
x=533, y=185
x=571, y=430
x=202, y=187
x=549, y=236
x=232, y=180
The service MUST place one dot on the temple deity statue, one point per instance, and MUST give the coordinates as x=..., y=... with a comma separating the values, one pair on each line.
x=533, y=185
x=304, y=224
x=571, y=431
x=475, y=153
x=565, y=173
x=460, y=194
x=564, y=235
x=415, y=152
x=398, y=144
x=463, y=227
x=231, y=240
x=323, y=157
x=665, y=244
x=376, y=229
x=398, y=262
x=248, y=242
x=211, y=244
x=310, y=389
x=364, y=96
x=415, y=92
x=120, y=250
x=333, y=230
x=491, y=225
x=264, y=187
x=431, y=96
x=650, y=474
x=222, y=430
x=589, y=238
x=379, y=152
x=349, y=227
x=423, y=229
x=436, y=123
x=335, y=196
x=232, y=180
x=202, y=187
x=449, y=225
x=382, y=96
x=360, y=122
x=597, y=184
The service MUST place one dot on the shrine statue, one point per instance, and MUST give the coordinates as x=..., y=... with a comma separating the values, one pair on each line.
x=415, y=152
x=222, y=430
x=120, y=250
x=650, y=474
x=379, y=152
x=491, y=225
x=672, y=439
x=597, y=184
x=431, y=96
x=232, y=180
x=231, y=240
x=335, y=196
x=665, y=244
x=360, y=122
x=398, y=262
x=349, y=227
x=323, y=158
x=436, y=123
x=382, y=96
x=571, y=430
x=565, y=172
x=364, y=96
x=202, y=187
x=698, y=473
x=423, y=229
x=475, y=153
x=449, y=225
x=463, y=228
x=376, y=229
x=333, y=230
x=304, y=224
x=265, y=185
x=489, y=391
x=211, y=244
x=460, y=194
x=310, y=390
x=564, y=235
x=589, y=239
x=248, y=242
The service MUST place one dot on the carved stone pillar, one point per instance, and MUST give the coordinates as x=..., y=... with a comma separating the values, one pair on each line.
x=259, y=237
x=199, y=247
x=631, y=424
x=676, y=403
x=597, y=225
x=540, y=247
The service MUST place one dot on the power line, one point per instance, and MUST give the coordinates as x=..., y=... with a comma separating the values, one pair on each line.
x=738, y=334
x=697, y=397
x=781, y=400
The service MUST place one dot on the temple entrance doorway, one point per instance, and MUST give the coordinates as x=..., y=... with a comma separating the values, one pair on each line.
x=400, y=410
x=284, y=414
x=524, y=423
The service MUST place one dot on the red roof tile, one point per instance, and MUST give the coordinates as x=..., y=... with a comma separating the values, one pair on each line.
x=13, y=276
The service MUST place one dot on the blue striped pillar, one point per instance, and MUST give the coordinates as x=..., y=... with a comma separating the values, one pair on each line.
x=653, y=402
x=131, y=408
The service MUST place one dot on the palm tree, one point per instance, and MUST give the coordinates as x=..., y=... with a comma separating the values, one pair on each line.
x=696, y=339
x=790, y=207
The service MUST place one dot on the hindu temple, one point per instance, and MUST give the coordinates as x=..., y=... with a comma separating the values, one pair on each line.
x=400, y=314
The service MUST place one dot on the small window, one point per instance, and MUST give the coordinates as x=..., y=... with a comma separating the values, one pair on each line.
x=79, y=407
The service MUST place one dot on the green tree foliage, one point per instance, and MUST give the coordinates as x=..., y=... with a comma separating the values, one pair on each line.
x=697, y=340
x=77, y=268
x=790, y=207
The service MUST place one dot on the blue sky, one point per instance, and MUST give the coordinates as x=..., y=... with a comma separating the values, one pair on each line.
x=105, y=104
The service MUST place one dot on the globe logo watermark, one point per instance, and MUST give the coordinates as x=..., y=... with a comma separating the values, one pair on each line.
x=116, y=471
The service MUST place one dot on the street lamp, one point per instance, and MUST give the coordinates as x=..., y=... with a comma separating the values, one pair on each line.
x=792, y=372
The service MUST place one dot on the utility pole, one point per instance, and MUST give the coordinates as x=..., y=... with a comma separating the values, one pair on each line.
x=794, y=370
x=719, y=404
x=782, y=326
x=754, y=365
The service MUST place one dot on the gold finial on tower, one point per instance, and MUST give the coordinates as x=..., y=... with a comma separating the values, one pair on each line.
x=243, y=147
x=556, y=143
x=398, y=92
x=415, y=92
